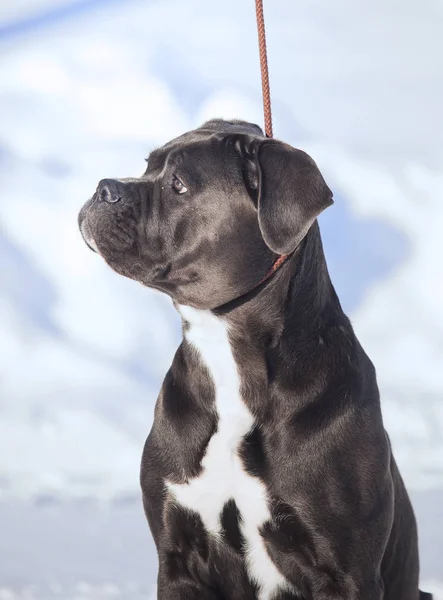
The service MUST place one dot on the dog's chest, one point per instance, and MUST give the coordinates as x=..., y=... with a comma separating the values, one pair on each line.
x=223, y=476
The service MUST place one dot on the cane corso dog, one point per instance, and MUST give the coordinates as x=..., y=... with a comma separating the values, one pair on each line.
x=268, y=473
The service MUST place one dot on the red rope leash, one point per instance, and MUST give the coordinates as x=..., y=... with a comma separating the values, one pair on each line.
x=264, y=68
x=275, y=266
x=266, y=105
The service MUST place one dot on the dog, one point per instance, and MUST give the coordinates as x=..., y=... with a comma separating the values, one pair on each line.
x=268, y=474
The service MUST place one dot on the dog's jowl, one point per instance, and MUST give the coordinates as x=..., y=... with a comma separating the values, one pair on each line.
x=267, y=474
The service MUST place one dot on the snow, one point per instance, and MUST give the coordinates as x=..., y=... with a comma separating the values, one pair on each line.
x=85, y=93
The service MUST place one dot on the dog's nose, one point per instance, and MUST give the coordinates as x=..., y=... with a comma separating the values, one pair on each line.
x=109, y=190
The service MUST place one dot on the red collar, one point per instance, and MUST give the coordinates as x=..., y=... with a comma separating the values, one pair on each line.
x=276, y=265
x=279, y=262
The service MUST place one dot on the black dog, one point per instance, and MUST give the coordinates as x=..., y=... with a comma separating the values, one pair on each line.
x=267, y=474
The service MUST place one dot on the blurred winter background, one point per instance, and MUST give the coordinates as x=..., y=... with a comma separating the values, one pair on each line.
x=87, y=89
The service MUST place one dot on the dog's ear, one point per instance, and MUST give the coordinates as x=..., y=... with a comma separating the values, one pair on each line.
x=291, y=194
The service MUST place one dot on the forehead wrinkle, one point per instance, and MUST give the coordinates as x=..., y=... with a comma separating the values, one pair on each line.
x=160, y=159
x=192, y=146
x=189, y=141
x=175, y=157
x=154, y=159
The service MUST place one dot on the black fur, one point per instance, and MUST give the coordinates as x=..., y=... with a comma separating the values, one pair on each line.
x=341, y=526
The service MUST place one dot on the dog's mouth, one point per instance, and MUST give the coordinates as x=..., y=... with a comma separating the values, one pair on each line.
x=85, y=228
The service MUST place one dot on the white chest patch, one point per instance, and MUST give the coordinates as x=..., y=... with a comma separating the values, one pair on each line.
x=223, y=476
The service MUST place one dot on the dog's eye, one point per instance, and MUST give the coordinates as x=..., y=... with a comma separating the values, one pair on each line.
x=178, y=186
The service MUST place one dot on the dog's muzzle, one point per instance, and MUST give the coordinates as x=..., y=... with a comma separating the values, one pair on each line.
x=108, y=191
x=108, y=221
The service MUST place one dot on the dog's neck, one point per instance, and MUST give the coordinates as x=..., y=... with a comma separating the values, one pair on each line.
x=280, y=326
x=297, y=293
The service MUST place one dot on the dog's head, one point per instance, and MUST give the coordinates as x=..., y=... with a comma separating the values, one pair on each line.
x=211, y=213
